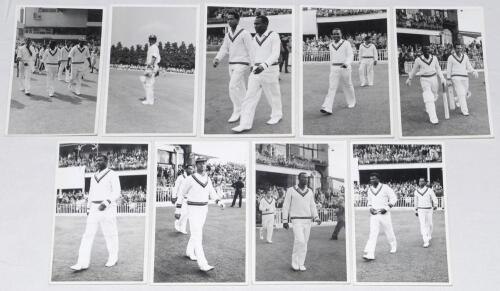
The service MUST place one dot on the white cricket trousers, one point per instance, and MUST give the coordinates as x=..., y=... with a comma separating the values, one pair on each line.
x=461, y=85
x=237, y=86
x=301, y=231
x=197, y=216
x=25, y=72
x=106, y=219
x=77, y=72
x=339, y=78
x=366, y=71
x=268, y=225
x=267, y=81
x=430, y=95
x=62, y=67
x=376, y=222
x=425, y=218
x=51, y=77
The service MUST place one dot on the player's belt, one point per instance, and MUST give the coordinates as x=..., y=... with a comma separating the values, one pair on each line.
x=76, y=63
x=178, y=205
x=64, y=60
x=192, y=203
x=267, y=213
x=97, y=201
x=52, y=63
x=424, y=207
x=301, y=217
x=273, y=64
x=428, y=76
x=239, y=63
x=459, y=75
x=337, y=64
x=367, y=57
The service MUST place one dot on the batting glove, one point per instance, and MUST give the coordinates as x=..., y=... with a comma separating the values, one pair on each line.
x=285, y=225
x=177, y=215
x=416, y=213
x=102, y=206
x=373, y=211
x=383, y=211
x=434, y=208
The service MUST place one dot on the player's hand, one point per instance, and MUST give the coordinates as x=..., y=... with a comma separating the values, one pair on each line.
x=416, y=213
x=318, y=221
x=177, y=215
x=258, y=70
x=285, y=225
x=475, y=74
x=174, y=200
x=408, y=82
x=383, y=211
x=102, y=206
x=373, y=211
x=68, y=67
x=344, y=66
x=434, y=208
x=267, y=209
x=216, y=63
x=448, y=83
x=374, y=63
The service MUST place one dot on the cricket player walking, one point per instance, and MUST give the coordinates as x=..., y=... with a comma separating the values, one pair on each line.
x=152, y=70
x=26, y=55
x=77, y=57
x=381, y=198
x=238, y=45
x=198, y=189
x=267, y=205
x=101, y=211
x=300, y=209
x=368, y=57
x=181, y=216
x=64, y=55
x=341, y=57
x=425, y=203
x=266, y=46
x=51, y=59
x=458, y=69
x=427, y=68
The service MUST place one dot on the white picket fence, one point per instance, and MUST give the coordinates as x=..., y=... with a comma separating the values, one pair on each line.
x=326, y=215
x=476, y=64
x=132, y=208
x=407, y=202
x=324, y=56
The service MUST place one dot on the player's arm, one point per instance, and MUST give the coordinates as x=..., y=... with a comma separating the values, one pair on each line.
x=470, y=69
x=214, y=195
x=314, y=210
x=375, y=54
x=449, y=66
x=286, y=207
x=415, y=201
x=176, y=189
x=275, y=50
x=70, y=56
x=413, y=72
x=262, y=207
x=87, y=56
x=248, y=41
x=439, y=71
x=223, y=50
x=350, y=55
x=393, y=198
x=434, y=199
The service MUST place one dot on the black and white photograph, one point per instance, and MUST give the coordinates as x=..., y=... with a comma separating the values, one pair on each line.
x=443, y=89
x=300, y=226
x=100, y=213
x=399, y=199
x=345, y=72
x=248, y=55
x=55, y=72
x=152, y=80
x=201, y=213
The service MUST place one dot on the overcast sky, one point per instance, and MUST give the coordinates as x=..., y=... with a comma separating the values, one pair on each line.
x=133, y=25
x=237, y=152
x=471, y=19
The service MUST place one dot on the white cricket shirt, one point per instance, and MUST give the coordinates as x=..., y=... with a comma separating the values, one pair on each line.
x=238, y=45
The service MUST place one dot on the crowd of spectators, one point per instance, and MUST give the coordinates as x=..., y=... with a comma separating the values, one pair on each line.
x=267, y=158
x=118, y=160
x=79, y=198
x=397, y=153
x=420, y=20
x=218, y=15
x=325, y=12
x=312, y=45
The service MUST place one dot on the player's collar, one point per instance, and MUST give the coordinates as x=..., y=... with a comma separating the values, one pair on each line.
x=67, y=48
x=300, y=191
x=458, y=60
x=237, y=32
x=340, y=43
x=198, y=180
x=366, y=46
x=99, y=175
x=53, y=54
x=377, y=190
x=422, y=193
x=272, y=198
x=425, y=61
x=81, y=49
x=265, y=35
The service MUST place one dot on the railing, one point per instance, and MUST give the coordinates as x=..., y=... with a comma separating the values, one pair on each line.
x=402, y=202
x=477, y=64
x=125, y=208
x=326, y=215
x=164, y=194
x=324, y=56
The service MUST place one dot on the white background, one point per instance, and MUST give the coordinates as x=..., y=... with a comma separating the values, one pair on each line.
x=27, y=168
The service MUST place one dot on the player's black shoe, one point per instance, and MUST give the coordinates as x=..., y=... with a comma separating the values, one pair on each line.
x=325, y=112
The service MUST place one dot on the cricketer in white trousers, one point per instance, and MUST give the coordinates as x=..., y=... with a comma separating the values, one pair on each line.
x=148, y=82
x=197, y=215
x=237, y=87
x=461, y=85
x=339, y=78
x=62, y=68
x=301, y=231
x=51, y=70
x=77, y=72
x=425, y=219
x=430, y=87
x=268, y=82
x=366, y=70
x=268, y=225
x=25, y=73
x=181, y=223
x=106, y=219
x=376, y=222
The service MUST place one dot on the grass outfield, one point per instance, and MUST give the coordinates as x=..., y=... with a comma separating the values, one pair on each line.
x=172, y=112
x=223, y=244
x=65, y=113
x=412, y=262
x=415, y=121
x=371, y=116
x=325, y=260
x=67, y=237
x=218, y=105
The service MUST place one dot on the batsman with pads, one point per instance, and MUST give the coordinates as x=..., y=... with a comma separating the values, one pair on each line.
x=300, y=209
x=425, y=203
x=152, y=70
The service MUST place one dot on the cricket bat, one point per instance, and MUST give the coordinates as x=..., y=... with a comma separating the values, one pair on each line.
x=445, y=103
x=451, y=97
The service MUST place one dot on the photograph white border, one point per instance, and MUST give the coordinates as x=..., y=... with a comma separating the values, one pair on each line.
x=160, y=142
x=293, y=100
x=196, y=72
x=146, y=214
x=100, y=77
x=347, y=228
x=446, y=215
x=390, y=56
x=486, y=80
